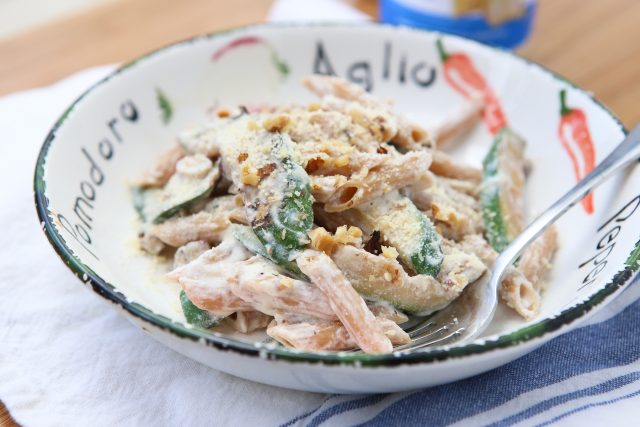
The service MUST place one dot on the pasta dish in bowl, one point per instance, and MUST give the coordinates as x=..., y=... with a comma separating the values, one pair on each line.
x=329, y=223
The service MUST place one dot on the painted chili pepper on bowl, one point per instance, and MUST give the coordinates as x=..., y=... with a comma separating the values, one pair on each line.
x=576, y=140
x=280, y=65
x=463, y=77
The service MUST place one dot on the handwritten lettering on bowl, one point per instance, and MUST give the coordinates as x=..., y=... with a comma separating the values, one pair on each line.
x=78, y=222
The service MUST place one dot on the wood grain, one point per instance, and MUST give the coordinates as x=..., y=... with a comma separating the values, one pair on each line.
x=5, y=417
x=591, y=42
x=115, y=32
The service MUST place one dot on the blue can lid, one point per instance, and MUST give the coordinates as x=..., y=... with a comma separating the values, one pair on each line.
x=508, y=34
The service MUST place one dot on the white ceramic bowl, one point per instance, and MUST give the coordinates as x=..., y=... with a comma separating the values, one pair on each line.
x=120, y=125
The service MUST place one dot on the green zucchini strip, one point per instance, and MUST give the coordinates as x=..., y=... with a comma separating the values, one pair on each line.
x=196, y=316
x=280, y=208
x=156, y=205
x=404, y=227
x=501, y=192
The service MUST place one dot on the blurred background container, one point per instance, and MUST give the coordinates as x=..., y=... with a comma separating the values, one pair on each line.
x=503, y=23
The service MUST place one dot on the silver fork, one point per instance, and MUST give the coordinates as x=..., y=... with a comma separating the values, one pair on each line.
x=470, y=314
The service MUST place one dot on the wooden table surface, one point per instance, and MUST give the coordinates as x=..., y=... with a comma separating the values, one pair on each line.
x=591, y=42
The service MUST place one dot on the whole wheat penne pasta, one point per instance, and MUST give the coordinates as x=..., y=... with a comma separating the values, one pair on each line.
x=189, y=252
x=248, y=321
x=328, y=85
x=384, y=310
x=210, y=224
x=535, y=261
x=150, y=243
x=520, y=288
x=397, y=172
x=202, y=140
x=328, y=336
x=411, y=136
x=463, y=120
x=205, y=280
x=346, y=125
x=258, y=283
x=454, y=214
x=345, y=301
x=163, y=168
x=347, y=164
x=469, y=188
x=395, y=128
x=459, y=268
x=380, y=278
x=323, y=187
x=478, y=245
x=443, y=164
x=520, y=294
x=200, y=226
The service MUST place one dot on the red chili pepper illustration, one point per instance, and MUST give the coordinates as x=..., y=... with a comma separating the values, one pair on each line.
x=242, y=41
x=576, y=140
x=462, y=75
x=281, y=66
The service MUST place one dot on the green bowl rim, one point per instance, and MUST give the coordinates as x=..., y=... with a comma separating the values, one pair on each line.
x=526, y=334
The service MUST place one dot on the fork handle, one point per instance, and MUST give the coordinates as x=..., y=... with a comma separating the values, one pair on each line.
x=624, y=154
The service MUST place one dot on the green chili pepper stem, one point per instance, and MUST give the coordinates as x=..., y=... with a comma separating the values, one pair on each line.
x=444, y=56
x=564, y=110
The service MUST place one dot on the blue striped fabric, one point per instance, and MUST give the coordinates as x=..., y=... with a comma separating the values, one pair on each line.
x=587, y=369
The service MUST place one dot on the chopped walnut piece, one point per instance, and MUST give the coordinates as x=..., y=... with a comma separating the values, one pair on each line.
x=276, y=123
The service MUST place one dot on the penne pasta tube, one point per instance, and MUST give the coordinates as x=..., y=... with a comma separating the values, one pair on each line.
x=205, y=280
x=462, y=186
x=395, y=128
x=189, y=252
x=336, y=128
x=521, y=286
x=210, y=224
x=345, y=301
x=163, y=168
x=248, y=321
x=315, y=335
x=323, y=187
x=535, y=261
x=182, y=230
x=464, y=119
x=382, y=278
x=444, y=165
x=258, y=283
x=397, y=172
x=520, y=294
x=382, y=309
x=454, y=214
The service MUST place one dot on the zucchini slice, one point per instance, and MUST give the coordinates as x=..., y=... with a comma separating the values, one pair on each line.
x=502, y=189
x=280, y=208
x=196, y=316
x=245, y=235
x=404, y=227
x=156, y=205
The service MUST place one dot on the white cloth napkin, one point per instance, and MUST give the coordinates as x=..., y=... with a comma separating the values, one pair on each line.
x=67, y=358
